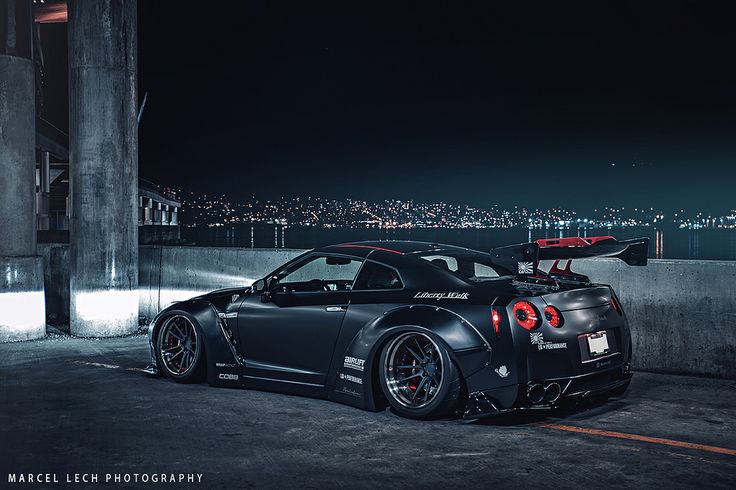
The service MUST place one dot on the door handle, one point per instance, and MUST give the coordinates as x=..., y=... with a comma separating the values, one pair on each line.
x=333, y=309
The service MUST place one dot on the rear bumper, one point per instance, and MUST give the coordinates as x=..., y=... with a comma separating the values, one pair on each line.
x=575, y=388
x=595, y=384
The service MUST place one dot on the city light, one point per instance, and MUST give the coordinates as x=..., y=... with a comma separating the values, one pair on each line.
x=217, y=211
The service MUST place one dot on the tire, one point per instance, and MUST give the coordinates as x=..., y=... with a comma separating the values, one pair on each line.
x=180, y=350
x=418, y=377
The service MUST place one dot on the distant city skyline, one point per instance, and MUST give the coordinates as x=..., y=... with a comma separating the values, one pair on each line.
x=200, y=209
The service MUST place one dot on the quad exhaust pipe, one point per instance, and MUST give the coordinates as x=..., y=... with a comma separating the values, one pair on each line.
x=549, y=393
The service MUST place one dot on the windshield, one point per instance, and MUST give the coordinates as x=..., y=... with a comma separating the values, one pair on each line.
x=468, y=266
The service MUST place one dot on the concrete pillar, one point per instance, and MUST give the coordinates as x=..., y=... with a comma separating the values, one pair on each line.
x=103, y=161
x=22, y=303
x=22, y=308
x=17, y=156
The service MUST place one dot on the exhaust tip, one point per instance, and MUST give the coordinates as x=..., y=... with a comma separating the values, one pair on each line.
x=535, y=393
x=552, y=392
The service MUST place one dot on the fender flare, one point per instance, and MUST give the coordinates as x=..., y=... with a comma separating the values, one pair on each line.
x=467, y=348
x=204, y=315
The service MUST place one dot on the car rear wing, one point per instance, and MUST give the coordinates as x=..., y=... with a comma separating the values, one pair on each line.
x=523, y=259
x=633, y=252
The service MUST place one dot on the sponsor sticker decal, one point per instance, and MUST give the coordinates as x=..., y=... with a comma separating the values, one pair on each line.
x=439, y=296
x=354, y=363
x=502, y=371
x=525, y=267
x=349, y=391
x=228, y=376
x=537, y=338
x=351, y=378
x=224, y=364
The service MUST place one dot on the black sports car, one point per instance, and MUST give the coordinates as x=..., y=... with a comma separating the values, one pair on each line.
x=429, y=329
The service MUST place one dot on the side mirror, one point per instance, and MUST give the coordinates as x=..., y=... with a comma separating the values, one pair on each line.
x=259, y=286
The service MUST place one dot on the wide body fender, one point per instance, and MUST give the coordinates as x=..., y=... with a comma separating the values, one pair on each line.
x=219, y=354
x=355, y=369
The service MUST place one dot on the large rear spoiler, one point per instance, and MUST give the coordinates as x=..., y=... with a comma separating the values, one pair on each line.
x=524, y=258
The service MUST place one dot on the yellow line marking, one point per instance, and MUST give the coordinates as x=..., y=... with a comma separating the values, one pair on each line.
x=637, y=437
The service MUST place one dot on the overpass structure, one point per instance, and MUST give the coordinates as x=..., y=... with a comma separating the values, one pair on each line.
x=103, y=167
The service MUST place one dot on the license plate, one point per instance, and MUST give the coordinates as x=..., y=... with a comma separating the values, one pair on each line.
x=598, y=343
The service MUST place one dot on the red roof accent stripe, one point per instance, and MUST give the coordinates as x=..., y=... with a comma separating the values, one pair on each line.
x=352, y=245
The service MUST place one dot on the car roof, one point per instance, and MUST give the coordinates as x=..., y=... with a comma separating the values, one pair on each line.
x=402, y=256
x=400, y=247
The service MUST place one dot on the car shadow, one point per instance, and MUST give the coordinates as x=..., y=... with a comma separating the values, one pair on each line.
x=579, y=411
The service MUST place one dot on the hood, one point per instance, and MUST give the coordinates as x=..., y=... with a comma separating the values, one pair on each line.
x=223, y=297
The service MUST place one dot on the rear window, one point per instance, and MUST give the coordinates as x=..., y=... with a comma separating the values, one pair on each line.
x=468, y=266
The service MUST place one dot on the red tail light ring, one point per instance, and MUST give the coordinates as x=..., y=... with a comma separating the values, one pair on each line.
x=496, y=320
x=553, y=316
x=526, y=315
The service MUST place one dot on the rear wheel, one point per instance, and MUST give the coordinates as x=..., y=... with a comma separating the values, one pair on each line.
x=418, y=377
x=180, y=350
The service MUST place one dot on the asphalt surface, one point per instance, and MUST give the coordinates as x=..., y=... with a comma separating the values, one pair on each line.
x=74, y=406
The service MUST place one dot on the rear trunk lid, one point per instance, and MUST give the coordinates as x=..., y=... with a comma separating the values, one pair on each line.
x=579, y=298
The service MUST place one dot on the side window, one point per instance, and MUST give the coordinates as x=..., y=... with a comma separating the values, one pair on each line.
x=442, y=261
x=466, y=266
x=377, y=276
x=483, y=271
x=321, y=273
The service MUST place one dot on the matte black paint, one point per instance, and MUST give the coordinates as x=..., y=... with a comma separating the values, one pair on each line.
x=293, y=344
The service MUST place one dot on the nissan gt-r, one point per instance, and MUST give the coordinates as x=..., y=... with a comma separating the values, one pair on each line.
x=430, y=330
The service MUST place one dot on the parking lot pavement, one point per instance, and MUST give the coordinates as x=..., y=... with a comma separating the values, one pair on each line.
x=82, y=406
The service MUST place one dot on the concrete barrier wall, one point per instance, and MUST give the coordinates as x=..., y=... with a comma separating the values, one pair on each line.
x=166, y=274
x=169, y=274
x=682, y=312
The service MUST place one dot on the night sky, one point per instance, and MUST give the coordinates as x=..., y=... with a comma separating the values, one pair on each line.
x=590, y=104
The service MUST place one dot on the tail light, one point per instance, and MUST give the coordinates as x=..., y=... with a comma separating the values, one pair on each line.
x=496, y=320
x=553, y=316
x=614, y=304
x=526, y=315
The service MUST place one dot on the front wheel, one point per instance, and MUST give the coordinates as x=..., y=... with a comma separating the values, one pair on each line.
x=418, y=377
x=180, y=349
